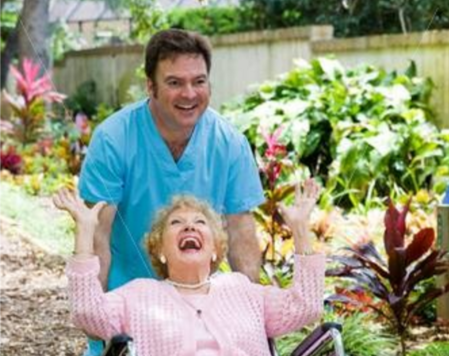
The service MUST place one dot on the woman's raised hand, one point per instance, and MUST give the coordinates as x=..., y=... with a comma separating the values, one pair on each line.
x=75, y=206
x=306, y=196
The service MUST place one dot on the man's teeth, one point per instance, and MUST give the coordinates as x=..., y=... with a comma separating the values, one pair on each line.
x=184, y=107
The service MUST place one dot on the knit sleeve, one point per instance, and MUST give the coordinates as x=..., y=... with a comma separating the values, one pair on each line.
x=98, y=313
x=287, y=310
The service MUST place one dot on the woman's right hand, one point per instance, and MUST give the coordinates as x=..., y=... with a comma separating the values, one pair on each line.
x=85, y=217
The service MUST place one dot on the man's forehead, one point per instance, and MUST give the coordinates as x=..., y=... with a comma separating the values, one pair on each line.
x=182, y=63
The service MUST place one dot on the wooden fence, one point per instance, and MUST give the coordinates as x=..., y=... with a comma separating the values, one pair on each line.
x=242, y=60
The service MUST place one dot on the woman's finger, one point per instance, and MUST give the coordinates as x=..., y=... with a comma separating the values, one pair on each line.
x=57, y=201
x=298, y=193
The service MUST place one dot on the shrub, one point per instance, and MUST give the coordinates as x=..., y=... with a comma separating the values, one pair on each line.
x=349, y=18
x=84, y=99
x=365, y=132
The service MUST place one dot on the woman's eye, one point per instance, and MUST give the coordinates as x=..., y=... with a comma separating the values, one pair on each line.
x=201, y=221
x=175, y=222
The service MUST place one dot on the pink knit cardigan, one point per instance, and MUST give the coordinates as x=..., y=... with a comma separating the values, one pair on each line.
x=239, y=314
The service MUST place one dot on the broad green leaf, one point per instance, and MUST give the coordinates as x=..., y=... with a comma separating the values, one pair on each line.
x=384, y=142
x=331, y=68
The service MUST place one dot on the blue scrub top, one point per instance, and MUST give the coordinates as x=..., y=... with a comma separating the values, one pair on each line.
x=129, y=164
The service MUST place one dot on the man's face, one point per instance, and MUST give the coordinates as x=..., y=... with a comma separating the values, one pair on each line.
x=181, y=92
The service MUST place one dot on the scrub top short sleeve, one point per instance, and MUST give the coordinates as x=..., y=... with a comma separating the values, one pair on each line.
x=102, y=171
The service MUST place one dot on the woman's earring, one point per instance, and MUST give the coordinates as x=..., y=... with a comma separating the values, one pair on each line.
x=163, y=259
x=214, y=257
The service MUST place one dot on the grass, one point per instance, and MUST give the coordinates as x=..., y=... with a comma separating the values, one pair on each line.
x=361, y=337
x=437, y=348
x=46, y=228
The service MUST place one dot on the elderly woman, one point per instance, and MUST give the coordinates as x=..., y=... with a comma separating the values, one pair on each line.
x=190, y=312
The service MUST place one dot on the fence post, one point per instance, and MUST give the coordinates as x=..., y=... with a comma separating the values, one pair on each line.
x=443, y=243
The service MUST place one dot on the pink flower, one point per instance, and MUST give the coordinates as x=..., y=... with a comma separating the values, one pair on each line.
x=82, y=123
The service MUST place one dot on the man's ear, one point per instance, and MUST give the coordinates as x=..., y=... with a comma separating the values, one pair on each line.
x=151, y=88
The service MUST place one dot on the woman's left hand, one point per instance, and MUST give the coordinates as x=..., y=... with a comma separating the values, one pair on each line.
x=306, y=196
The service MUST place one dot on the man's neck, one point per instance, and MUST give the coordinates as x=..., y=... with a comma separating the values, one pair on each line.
x=176, y=140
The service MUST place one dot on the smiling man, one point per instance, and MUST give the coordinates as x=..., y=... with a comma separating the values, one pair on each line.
x=169, y=144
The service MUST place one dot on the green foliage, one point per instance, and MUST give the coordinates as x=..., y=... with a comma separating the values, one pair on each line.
x=148, y=18
x=34, y=219
x=8, y=19
x=349, y=18
x=208, y=20
x=437, y=348
x=364, y=132
x=249, y=16
x=361, y=337
x=103, y=112
x=63, y=40
x=84, y=99
x=137, y=92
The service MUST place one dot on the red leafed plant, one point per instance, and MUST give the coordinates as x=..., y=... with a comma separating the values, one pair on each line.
x=273, y=165
x=28, y=106
x=392, y=280
x=10, y=160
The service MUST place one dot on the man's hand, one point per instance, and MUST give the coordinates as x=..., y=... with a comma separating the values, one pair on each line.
x=244, y=251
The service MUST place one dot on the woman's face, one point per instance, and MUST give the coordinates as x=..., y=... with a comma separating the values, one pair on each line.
x=187, y=240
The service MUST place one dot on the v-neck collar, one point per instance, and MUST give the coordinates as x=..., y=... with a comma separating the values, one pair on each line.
x=185, y=162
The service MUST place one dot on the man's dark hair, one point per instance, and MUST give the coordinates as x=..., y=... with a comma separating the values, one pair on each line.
x=171, y=43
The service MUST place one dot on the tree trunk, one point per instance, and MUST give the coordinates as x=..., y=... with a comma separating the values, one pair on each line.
x=7, y=55
x=34, y=31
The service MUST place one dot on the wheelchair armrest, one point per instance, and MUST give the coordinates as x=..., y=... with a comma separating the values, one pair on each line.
x=319, y=339
x=119, y=345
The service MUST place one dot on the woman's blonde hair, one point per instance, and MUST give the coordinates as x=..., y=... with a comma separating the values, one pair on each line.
x=155, y=236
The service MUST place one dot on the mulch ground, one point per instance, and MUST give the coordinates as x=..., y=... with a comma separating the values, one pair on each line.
x=33, y=303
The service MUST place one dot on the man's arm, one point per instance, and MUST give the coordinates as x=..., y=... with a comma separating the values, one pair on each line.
x=244, y=251
x=102, y=239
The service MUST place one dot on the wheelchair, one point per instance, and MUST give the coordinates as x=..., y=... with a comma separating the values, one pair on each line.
x=325, y=340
